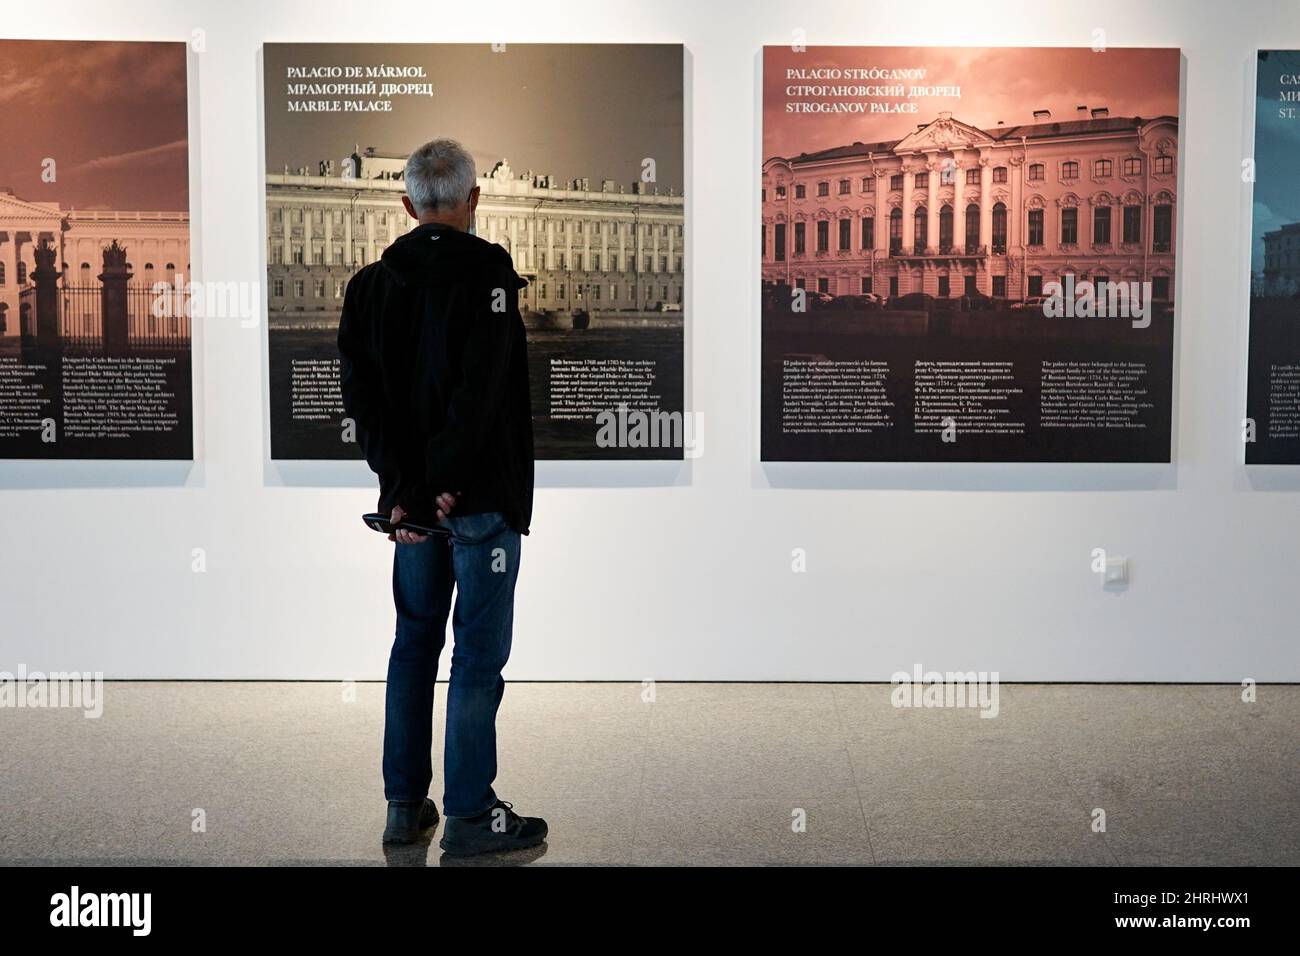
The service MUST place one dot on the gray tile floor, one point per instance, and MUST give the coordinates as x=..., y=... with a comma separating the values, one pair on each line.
x=702, y=774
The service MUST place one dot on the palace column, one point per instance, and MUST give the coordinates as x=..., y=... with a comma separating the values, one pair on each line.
x=985, y=237
x=286, y=238
x=307, y=257
x=958, y=206
x=956, y=282
x=348, y=252
x=934, y=174
x=880, y=218
x=908, y=221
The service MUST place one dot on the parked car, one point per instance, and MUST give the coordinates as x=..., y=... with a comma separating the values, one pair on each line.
x=913, y=301
x=1032, y=304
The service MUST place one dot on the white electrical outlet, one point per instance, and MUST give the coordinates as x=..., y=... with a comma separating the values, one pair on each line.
x=1116, y=572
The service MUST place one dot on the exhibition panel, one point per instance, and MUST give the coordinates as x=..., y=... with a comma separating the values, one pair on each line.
x=957, y=268
x=95, y=345
x=580, y=152
x=1271, y=430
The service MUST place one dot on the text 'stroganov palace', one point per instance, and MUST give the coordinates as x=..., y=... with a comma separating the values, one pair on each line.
x=952, y=210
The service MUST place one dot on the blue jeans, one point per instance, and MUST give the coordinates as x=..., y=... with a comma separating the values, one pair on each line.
x=481, y=559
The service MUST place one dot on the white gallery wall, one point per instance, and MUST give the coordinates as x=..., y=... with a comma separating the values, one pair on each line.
x=686, y=574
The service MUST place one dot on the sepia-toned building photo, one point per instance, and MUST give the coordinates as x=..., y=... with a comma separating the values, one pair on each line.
x=608, y=246
x=953, y=210
x=157, y=248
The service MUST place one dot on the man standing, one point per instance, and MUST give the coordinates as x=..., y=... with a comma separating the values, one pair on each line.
x=435, y=376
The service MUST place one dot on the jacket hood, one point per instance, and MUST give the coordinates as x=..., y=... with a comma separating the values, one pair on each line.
x=431, y=252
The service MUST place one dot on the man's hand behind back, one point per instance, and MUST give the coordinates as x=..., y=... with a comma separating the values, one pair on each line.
x=445, y=501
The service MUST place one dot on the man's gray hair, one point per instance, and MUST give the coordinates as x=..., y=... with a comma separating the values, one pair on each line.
x=439, y=176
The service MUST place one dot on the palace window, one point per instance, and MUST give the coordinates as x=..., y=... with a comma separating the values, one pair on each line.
x=1160, y=288
x=320, y=288
x=823, y=285
x=1035, y=228
x=868, y=232
x=999, y=174
x=972, y=227
x=1162, y=228
x=845, y=187
x=895, y=231
x=1132, y=166
x=868, y=184
x=780, y=192
x=896, y=182
x=778, y=242
x=823, y=189
x=1101, y=168
x=944, y=287
x=1069, y=169
x=866, y=285
x=763, y=193
x=1132, y=223
x=893, y=286
x=922, y=181
x=800, y=191
x=972, y=177
x=1000, y=287
x=969, y=286
x=823, y=235
x=1036, y=172
x=299, y=289
x=22, y=272
x=1069, y=226
x=1164, y=164
x=1035, y=285
x=277, y=288
x=800, y=238
x=846, y=234
x=945, y=227
x=339, y=287
x=1101, y=225
x=297, y=255
x=920, y=228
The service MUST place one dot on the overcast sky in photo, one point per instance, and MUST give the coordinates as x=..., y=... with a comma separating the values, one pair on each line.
x=568, y=110
x=112, y=116
x=997, y=84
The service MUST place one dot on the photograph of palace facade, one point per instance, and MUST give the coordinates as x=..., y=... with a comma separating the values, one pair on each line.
x=953, y=210
x=581, y=247
x=157, y=246
x=1282, y=258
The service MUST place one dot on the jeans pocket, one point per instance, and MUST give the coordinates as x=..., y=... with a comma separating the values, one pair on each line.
x=475, y=529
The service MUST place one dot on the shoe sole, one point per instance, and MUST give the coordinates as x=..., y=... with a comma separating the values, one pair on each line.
x=483, y=851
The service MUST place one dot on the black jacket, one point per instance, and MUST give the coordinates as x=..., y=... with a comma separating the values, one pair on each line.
x=435, y=375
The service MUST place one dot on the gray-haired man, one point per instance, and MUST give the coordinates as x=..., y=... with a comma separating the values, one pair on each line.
x=435, y=374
